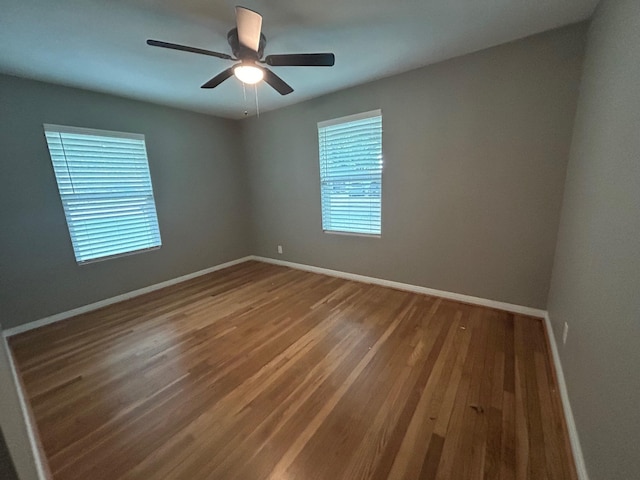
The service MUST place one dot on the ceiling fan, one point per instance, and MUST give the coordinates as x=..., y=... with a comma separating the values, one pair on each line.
x=247, y=44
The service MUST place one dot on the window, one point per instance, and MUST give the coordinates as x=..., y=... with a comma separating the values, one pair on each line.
x=105, y=187
x=351, y=173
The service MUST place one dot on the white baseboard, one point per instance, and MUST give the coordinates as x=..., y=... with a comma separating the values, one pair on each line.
x=31, y=429
x=119, y=298
x=566, y=405
x=534, y=312
x=334, y=273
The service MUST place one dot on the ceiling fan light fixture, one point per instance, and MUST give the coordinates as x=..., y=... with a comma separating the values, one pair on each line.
x=248, y=74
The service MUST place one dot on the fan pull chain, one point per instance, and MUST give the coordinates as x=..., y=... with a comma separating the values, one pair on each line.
x=255, y=87
x=244, y=94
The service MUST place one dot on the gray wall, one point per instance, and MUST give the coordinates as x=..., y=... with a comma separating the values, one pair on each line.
x=196, y=170
x=13, y=425
x=475, y=157
x=596, y=276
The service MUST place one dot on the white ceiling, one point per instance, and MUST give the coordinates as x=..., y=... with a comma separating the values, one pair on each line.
x=100, y=44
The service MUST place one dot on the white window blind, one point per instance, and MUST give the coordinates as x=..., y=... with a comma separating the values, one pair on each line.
x=105, y=187
x=351, y=173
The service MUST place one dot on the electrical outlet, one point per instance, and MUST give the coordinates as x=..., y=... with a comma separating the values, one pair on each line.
x=280, y=249
x=565, y=331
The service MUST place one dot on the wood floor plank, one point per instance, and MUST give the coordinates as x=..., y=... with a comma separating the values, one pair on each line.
x=432, y=405
x=260, y=371
x=492, y=464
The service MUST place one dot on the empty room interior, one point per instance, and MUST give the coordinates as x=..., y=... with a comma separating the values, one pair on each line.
x=320, y=240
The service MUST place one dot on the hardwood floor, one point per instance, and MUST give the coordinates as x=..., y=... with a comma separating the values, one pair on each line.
x=263, y=372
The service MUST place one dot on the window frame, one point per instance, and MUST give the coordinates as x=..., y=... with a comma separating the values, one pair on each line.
x=342, y=120
x=66, y=129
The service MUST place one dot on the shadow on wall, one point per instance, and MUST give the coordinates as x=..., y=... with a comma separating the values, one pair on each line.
x=7, y=470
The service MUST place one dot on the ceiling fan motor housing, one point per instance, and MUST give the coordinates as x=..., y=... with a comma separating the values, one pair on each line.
x=240, y=51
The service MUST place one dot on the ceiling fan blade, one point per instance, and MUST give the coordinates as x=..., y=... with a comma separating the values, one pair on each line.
x=249, y=25
x=301, y=60
x=276, y=82
x=184, y=48
x=218, y=79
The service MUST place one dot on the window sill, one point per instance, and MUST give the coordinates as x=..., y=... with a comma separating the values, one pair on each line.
x=353, y=234
x=118, y=255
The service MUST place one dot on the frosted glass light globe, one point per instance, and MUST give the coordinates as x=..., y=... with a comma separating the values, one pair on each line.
x=248, y=74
